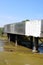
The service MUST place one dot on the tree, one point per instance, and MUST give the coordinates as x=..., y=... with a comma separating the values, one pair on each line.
x=25, y=20
x=1, y=30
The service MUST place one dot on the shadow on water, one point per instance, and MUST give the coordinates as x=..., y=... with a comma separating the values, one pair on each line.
x=22, y=43
x=40, y=48
x=26, y=43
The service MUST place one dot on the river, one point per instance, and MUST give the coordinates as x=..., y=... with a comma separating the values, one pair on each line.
x=2, y=47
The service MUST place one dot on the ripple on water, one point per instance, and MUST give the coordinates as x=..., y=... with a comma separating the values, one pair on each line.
x=1, y=49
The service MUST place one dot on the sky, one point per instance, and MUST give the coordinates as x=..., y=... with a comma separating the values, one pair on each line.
x=12, y=11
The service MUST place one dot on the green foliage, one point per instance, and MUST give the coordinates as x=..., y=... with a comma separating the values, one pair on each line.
x=25, y=20
x=1, y=31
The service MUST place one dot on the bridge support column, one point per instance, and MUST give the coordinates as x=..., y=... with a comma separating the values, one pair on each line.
x=35, y=45
x=16, y=40
x=8, y=37
x=31, y=41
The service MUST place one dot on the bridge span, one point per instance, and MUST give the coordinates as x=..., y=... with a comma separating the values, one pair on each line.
x=32, y=29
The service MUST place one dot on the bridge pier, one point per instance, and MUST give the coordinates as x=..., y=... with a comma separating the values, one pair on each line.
x=13, y=38
x=35, y=45
x=31, y=41
x=9, y=38
x=16, y=40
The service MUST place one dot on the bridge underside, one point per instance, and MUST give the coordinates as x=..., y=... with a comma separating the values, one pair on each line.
x=25, y=41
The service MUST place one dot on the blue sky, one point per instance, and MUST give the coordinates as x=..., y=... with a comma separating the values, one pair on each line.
x=12, y=11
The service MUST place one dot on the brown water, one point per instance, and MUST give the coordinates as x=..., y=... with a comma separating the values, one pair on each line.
x=19, y=55
x=1, y=45
x=5, y=46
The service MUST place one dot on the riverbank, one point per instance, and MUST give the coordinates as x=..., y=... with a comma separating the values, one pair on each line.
x=3, y=37
x=20, y=58
x=18, y=55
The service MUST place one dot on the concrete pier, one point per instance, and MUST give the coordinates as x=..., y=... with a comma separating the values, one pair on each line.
x=9, y=38
x=31, y=41
x=35, y=45
x=16, y=40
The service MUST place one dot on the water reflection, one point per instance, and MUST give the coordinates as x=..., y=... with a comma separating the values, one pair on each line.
x=1, y=45
x=41, y=48
x=26, y=44
x=1, y=49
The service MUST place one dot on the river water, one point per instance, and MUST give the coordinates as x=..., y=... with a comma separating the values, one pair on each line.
x=41, y=48
x=2, y=47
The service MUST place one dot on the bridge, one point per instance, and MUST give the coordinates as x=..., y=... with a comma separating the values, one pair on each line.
x=32, y=29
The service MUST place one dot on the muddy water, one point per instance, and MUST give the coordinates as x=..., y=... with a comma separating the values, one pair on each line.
x=1, y=45
x=12, y=48
x=41, y=48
